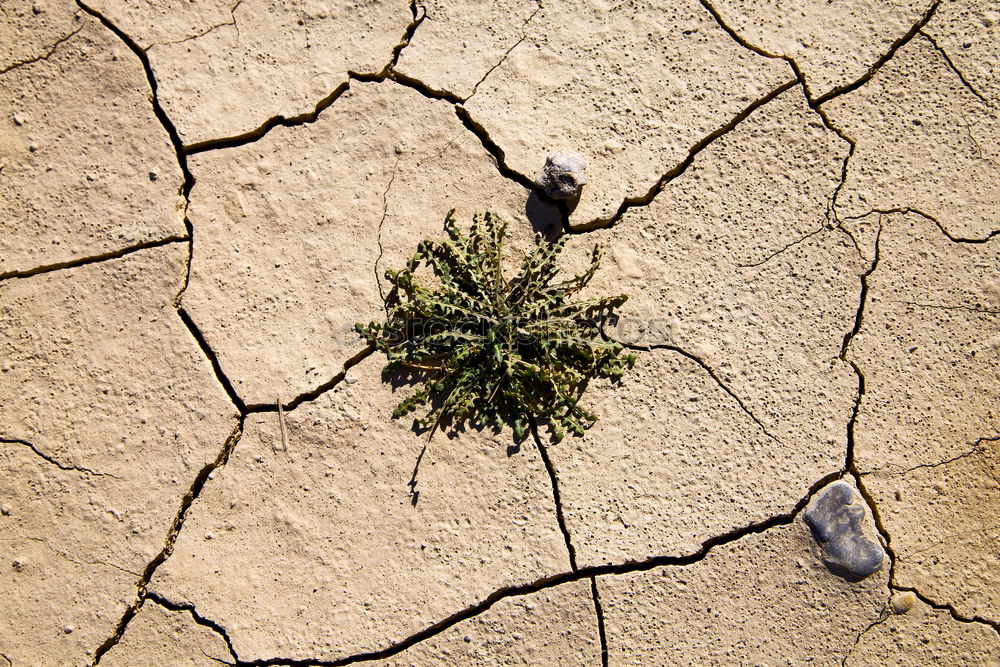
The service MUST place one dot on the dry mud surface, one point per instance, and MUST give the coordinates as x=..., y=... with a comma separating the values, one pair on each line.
x=198, y=200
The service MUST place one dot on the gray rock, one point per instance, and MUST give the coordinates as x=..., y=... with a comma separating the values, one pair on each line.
x=837, y=517
x=563, y=175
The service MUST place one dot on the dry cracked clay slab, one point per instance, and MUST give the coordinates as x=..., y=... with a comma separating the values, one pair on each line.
x=323, y=551
x=82, y=175
x=110, y=410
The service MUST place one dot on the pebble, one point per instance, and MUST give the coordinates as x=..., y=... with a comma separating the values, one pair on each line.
x=835, y=516
x=902, y=602
x=18, y=120
x=5, y=509
x=33, y=147
x=563, y=175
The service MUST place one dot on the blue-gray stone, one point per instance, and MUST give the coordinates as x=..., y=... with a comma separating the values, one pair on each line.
x=563, y=175
x=836, y=515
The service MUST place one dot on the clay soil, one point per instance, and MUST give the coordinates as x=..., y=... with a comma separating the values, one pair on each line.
x=198, y=200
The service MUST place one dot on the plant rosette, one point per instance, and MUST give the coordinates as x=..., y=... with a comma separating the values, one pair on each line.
x=487, y=349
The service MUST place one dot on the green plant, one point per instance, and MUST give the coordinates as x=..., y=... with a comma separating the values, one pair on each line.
x=488, y=348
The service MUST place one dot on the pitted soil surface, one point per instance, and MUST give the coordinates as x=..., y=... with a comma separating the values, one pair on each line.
x=199, y=200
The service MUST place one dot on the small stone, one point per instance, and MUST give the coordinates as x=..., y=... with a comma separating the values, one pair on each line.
x=36, y=9
x=467, y=639
x=836, y=516
x=563, y=175
x=18, y=565
x=153, y=175
x=902, y=602
x=18, y=120
x=68, y=629
x=5, y=509
x=33, y=147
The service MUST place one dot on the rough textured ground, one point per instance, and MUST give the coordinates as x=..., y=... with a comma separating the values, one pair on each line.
x=198, y=200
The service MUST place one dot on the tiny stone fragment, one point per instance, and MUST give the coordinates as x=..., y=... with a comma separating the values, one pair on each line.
x=563, y=175
x=836, y=516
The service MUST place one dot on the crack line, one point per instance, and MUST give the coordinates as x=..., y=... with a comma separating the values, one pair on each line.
x=47, y=54
x=947, y=59
x=909, y=209
x=774, y=254
x=93, y=259
x=70, y=559
x=524, y=36
x=601, y=630
x=171, y=538
x=378, y=237
x=322, y=105
x=53, y=460
x=976, y=449
x=213, y=359
x=650, y=195
x=950, y=609
x=198, y=618
x=554, y=479
x=877, y=65
x=711, y=372
x=312, y=394
x=232, y=14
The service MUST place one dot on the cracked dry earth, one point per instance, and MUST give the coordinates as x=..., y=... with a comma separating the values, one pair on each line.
x=198, y=200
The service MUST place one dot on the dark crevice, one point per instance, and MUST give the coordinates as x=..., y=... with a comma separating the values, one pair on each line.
x=494, y=149
x=729, y=30
x=418, y=13
x=850, y=465
x=171, y=538
x=599, y=613
x=958, y=72
x=198, y=618
x=859, y=316
x=313, y=394
x=961, y=618
x=94, y=259
x=53, y=460
x=915, y=211
x=312, y=116
x=977, y=448
x=711, y=372
x=268, y=125
x=47, y=54
x=158, y=111
x=213, y=359
x=646, y=199
x=554, y=480
x=886, y=57
x=589, y=572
